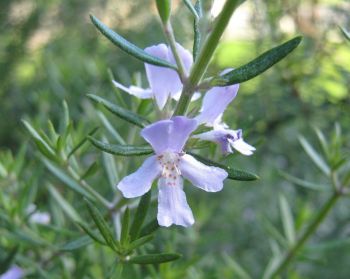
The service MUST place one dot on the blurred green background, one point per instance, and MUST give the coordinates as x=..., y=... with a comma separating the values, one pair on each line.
x=50, y=52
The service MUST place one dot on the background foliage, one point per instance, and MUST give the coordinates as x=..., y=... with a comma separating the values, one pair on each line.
x=50, y=52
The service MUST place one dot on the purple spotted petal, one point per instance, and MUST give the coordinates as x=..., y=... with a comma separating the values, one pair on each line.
x=215, y=102
x=14, y=272
x=135, y=91
x=169, y=135
x=140, y=182
x=208, y=178
x=163, y=81
x=172, y=205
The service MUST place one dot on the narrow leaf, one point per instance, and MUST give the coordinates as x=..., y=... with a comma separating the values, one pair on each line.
x=233, y=174
x=65, y=178
x=124, y=235
x=123, y=150
x=110, y=167
x=287, y=220
x=150, y=227
x=7, y=262
x=154, y=258
x=259, y=64
x=140, y=241
x=77, y=243
x=121, y=112
x=128, y=47
x=345, y=33
x=64, y=204
x=140, y=215
x=91, y=233
x=90, y=171
x=43, y=146
x=164, y=9
x=196, y=29
x=303, y=183
x=192, y=9
x=236, y=267
x=315, y=157
x=110, y=128
x=101, y=225
x=81, y=143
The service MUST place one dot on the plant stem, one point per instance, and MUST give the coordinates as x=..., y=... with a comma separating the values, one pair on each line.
x=206, y=53
x=169, y=33
x=291, y=253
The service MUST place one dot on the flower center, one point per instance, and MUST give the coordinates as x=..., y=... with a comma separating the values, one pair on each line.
x=169, y=162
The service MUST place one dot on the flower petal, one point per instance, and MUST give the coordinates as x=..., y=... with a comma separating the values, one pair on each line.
x=208, y=178
x=169, y=135
x=215, y=102
x=241, y=146
x=140, y=182
x=172, y=205
x=185, y=56
x=14, y=272
x=163, y=81
x=135, y=91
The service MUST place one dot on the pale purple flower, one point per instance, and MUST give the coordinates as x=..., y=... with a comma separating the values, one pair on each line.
x=169, y=165
x=14, y=272
x=163, y=82
x=214, y=104
x=227, y=139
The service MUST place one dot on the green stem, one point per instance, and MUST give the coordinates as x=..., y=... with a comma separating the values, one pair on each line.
x=206, y=53
x=169, y=33
x=291, y=253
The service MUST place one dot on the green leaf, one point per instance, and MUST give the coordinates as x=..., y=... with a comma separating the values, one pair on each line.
x=164, y=9
x=91, y=233
x=123, y=150
x=259, y=64
x=303, y=183
x=43, y=146
x=81, y=143
x=124, y=235
x=196, y=29
x=121, y=112
x=315, y=157
x=64, y=204
x=140, y=241
x=154, y=258
x=77, y=243
x=110, y=128
x=287, y=220
x=65, y=178
x=236, y=267
x=345, y=33
x=102, y=225
x=150, y=227
x=110, y=167
x=7, y=262
x=192, y=9
x=140, y=215
x=128, y=47
x=233, y=174
x=90, y=171
x=329, y=245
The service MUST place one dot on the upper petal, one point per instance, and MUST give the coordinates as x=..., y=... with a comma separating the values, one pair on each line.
x=185, y=56
x=163, y=81
x=202, y=176
x=215, y=102
x=140, y=182
x=172, y=205
x=169, y=135
x=135, y=91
